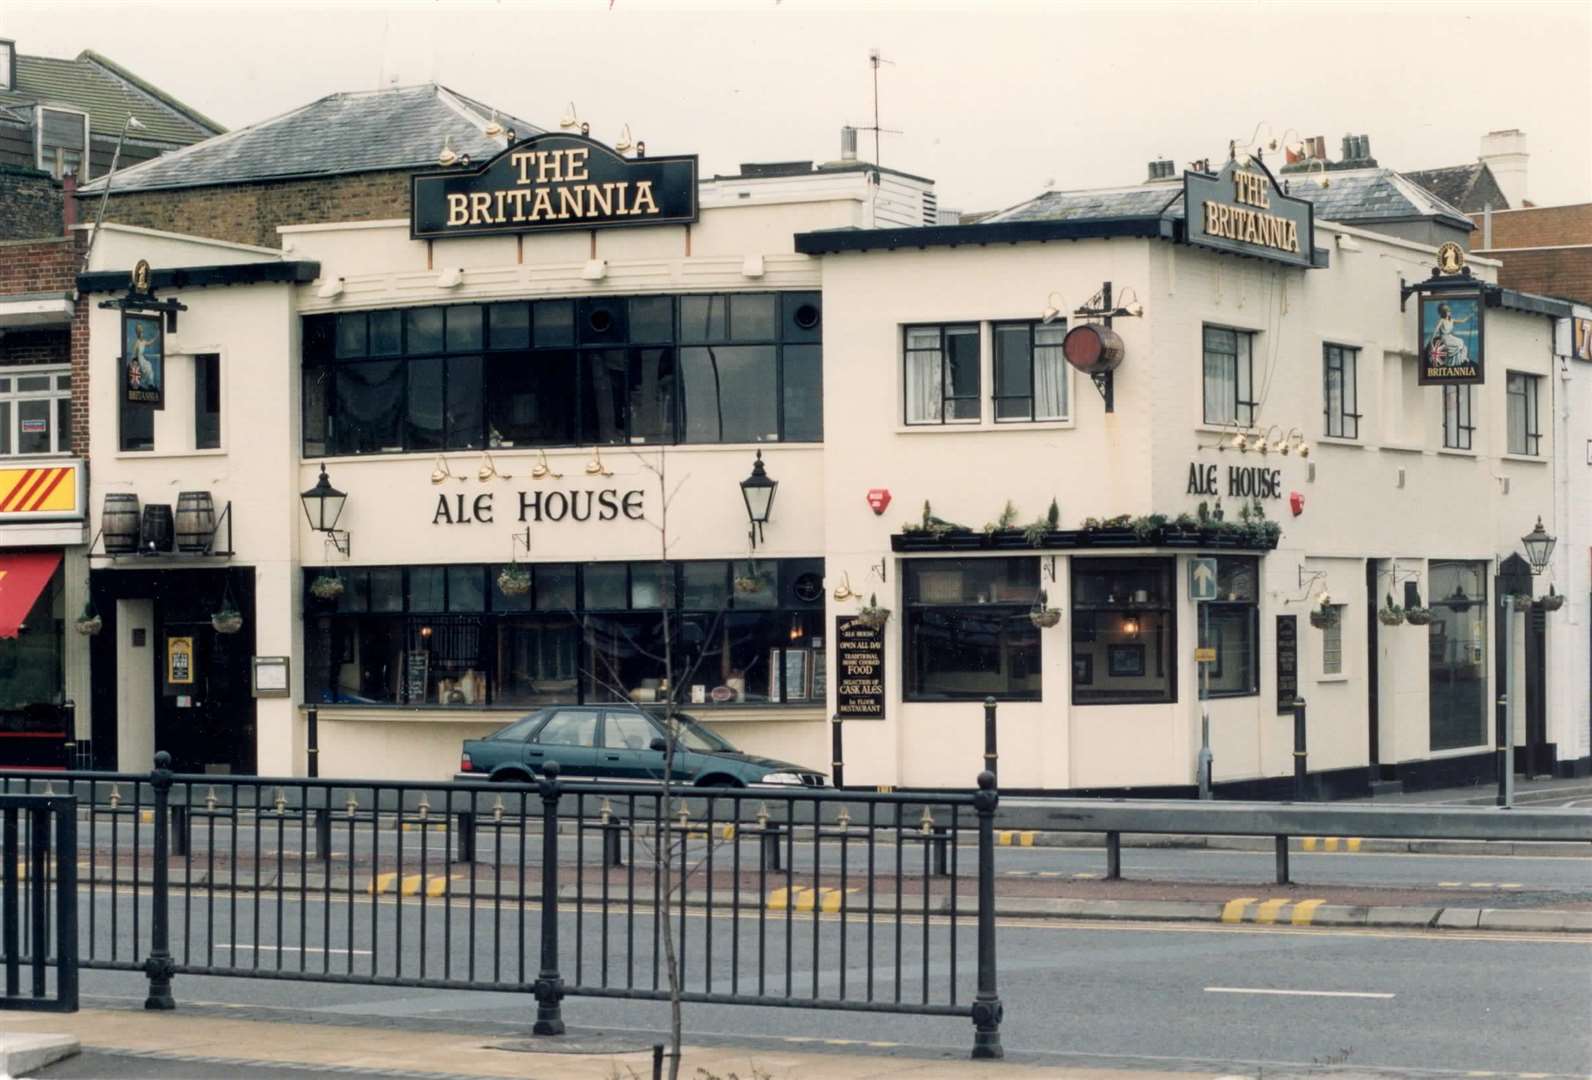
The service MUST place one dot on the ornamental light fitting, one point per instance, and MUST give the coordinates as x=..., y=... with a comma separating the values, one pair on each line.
x=1539, y=547
x=323, y=506
x=757, y=490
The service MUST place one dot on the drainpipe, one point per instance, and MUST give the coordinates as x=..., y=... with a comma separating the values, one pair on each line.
x=1486, y=227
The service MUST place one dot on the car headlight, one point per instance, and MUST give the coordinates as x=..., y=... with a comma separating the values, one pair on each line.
x=781, y=778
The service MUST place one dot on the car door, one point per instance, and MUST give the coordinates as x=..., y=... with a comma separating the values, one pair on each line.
x=627, y=752
x=569, y=737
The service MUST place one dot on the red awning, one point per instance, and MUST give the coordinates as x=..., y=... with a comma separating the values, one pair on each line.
x=23, y=577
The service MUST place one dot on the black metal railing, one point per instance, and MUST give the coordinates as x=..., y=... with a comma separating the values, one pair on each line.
x=38, y=846
x=786, y=897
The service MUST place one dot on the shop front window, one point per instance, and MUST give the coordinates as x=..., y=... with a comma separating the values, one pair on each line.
x=35, y=411
x=967, y=630
x=1231, y=626
x=31, y=678
x=724, y=368
x=1123, y=631
x=1457, y=651
x=738, y=633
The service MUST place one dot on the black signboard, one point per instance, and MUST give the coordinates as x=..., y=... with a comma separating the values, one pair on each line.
x=1451, y=337
x=553, y=182
x=1287, y=662
x=1243, y=209
x=859, y=675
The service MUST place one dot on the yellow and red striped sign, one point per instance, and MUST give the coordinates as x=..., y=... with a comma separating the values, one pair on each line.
x=47, y=489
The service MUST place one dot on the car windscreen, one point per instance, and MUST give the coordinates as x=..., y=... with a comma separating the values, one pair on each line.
x=693, y=736
x=519, y=730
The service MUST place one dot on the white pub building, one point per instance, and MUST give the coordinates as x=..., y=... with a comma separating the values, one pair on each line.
x=1120, y=460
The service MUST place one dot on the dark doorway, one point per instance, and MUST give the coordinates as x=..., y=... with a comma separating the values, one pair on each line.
x=1538, y=756
x=1371, y=679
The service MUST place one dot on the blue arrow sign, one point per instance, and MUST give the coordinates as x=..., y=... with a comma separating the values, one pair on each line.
x=1202, y=579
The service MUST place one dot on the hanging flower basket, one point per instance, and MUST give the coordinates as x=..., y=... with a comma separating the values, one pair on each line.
x=89, y=624
x=1041, y=616
x=327, y=586
x=1418, y=616
x=514, y=581
x=748, y=585
x=227, y=621
x=1552, y=602
x=873, y=616
x=1323, y=617
x=1390, y=614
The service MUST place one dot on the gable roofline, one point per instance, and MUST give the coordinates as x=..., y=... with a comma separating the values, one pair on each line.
x=175, y=104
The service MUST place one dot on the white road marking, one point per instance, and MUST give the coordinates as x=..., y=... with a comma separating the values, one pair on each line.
x=1295, y=993
x=240, y=945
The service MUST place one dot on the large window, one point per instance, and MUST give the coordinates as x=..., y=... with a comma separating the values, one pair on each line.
x=207, y=401
x=1232, y=628
x=604, y=370
x=1340, y=374
x=1525, y=424
x=1123, y=631
x=968, y=634
x=1457, y=428
x=1458, y=654
x=747, y=633
x=35, y=410
x=1229, y=376
x=1030, y=371
x=942, y=374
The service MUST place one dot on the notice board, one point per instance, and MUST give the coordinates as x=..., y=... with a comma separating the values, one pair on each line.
x=859, y=674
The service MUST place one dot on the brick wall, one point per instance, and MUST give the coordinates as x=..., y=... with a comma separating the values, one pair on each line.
x=250, y=213
x=50, y=266
x=30, y=204
x=1542, y=226
x=1562, y=272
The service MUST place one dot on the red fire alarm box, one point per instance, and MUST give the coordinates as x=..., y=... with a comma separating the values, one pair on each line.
x=1296, y=503
x=878, y=499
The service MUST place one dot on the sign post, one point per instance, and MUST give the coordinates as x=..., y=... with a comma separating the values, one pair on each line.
x=1202, y=590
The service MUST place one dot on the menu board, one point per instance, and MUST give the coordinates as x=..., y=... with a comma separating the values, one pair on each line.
x=416, y=673
x=1287, y=662
x=859, y=670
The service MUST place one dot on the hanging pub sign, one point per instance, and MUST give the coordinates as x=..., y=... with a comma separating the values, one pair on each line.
x=551, y=182
x=1451, y=338
x=1243, y=209
x=143, y=358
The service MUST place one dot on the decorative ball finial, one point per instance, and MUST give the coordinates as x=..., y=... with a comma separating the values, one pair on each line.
x=162, y=759
x=551, y=770
x=986, y=781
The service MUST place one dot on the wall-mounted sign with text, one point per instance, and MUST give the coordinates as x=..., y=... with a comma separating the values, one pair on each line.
x=1242, y=481
x=1242, y=209
x=553, y=182
x=537, y=507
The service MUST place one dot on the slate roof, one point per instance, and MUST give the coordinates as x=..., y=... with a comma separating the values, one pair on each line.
x=109, y=93
x=376, y=130
x=1468, y=187
x=1352, y=197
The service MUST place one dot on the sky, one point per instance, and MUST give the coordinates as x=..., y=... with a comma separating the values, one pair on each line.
x=995, y=101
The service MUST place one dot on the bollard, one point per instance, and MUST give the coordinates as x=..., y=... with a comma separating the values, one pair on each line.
x=612, y=855
x=838, y=760
x=942, y=844
x=987, y=1008
x=1282, y=860
x=314, y=749
x=1203, y=763
x=181, y=831
x=549, y=988
x=69, y=747
x=989, y=738
x=323, y=835
x=158, y=966
x=467, y=836
x=1113, y=855
x=1301, y=785
x=770, y=841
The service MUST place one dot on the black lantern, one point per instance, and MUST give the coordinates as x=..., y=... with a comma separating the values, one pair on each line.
x=758, y=491
x=323, y=505
x=1539, y=547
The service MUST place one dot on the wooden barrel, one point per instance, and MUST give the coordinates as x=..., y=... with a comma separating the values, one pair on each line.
x=119, y=523
x=1092, y=349
x=157, y=529
x=196, y=521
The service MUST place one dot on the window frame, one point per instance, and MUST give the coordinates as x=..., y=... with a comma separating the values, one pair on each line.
x=1167, y=609
x=1347, y=420
x=997, y=398
x=38, y=139
x=1251, y=608
x=1530, y=395
x=1332, y=637
x=55, y=395
x=1018, y=609
x=1459, y=426
x=586, y=346
x=976, y=397
x=1240, y=403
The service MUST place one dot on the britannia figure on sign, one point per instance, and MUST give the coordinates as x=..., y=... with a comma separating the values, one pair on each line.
x=140, y=372
x=1446, y=347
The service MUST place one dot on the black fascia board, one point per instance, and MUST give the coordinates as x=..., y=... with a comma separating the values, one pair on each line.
x=297, y=272
x=1532, y=304
x=834, y=241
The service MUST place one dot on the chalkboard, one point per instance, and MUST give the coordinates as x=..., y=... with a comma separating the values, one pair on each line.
x=416, y=673
x=1287, y=662
x=859, y=670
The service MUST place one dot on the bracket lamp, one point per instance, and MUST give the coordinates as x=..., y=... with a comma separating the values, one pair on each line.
x=1539, y=547
x=1054, y=306
x=758, y=492
x=323, y=505
x=331, y=290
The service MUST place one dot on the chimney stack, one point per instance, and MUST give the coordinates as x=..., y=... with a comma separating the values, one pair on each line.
x=848, y=143
x=1161, y=169
x=1504, y=152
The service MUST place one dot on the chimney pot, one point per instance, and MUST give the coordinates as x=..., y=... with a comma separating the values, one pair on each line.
x=848, y=143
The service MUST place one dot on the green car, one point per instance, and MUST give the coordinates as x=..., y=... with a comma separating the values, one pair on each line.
x=620, y=743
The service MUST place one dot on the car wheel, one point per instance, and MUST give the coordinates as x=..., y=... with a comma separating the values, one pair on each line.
x=511, y=776
x=719, y=780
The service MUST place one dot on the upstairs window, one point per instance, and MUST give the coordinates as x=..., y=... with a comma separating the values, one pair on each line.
x=35, y=411
x=942, y=374
x=1340, y=372
x=1030, y=372
x=1229, y=377
x=1457, y=428
x=1525, y=425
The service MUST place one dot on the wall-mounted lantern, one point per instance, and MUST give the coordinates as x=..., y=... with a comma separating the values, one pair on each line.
x=1539, y=547
x=758, y=491
x=323, y=505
